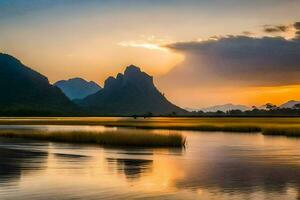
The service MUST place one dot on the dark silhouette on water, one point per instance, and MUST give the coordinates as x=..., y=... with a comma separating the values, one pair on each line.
x=131, y=168
x=13, y=161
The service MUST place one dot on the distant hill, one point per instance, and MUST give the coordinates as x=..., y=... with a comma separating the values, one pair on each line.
x=131, y=93
x=225, y=107
x=289, y=104
x=27, y=92
x=77, y=88
x=262, y=107
x=191, y=109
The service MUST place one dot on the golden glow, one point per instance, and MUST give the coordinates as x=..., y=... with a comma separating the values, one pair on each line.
x=276, y=94
x=142, y=45
x=148, y=42
x=97, y=39
x=237, y=95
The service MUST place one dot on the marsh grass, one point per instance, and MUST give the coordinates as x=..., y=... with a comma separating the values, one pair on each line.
x=111, y=138
x=288, y=126
x=282, y=131
x=225, y=128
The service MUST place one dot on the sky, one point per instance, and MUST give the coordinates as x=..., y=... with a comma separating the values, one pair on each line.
x=200, y=52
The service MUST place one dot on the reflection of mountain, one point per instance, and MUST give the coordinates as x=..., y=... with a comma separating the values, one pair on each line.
x=131, y=168
x=71, y=161
x=13, y=162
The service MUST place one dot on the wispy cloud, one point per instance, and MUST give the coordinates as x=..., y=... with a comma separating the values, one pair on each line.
x=287, y=31
x=276, y=28
x=147, y=42
x=297, y=29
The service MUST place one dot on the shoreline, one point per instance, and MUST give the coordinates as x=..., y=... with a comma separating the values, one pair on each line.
x=267, y=126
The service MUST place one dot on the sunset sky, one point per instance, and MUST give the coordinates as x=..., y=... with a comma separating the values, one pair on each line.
x=200, y=52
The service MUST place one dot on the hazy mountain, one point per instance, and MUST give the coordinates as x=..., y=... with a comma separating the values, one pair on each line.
x=289, y=104
x=225, y=107
x=191, y=109
x=130, y=93
x=26, y=92
x=262, y=107
x=77, y=88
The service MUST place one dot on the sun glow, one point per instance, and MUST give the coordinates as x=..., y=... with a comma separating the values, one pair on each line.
x=142, y=45
x=149, y=42
x=276, y=94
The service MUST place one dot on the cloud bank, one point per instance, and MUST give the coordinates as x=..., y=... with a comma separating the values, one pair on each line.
x=297, y=27
x=276, y=28
x=236, y=69
x=242, y=60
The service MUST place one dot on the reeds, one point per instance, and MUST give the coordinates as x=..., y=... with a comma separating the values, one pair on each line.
x=282, y=131
x=111, y=138
x=225, y=128
x=267, y=126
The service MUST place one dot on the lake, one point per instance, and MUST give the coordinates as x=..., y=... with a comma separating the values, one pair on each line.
x=214, y=165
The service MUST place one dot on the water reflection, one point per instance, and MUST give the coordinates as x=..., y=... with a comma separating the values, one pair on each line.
x=14, y=162
x=69, y=161
x=241, y=168
x=240, y=174
x=57, y=128
x=213, y=166
x=131, y=168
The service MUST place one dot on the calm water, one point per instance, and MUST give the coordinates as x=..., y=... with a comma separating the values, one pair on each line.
x=213, y=166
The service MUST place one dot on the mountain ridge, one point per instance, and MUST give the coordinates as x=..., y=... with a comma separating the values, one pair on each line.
x=289, y=104
x=131, y=93
x=77, y=88
x=25, y=91
x=225, y=108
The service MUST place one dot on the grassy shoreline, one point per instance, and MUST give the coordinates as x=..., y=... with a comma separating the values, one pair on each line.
x=267, y=126
x=108, y=138
x=282, y=131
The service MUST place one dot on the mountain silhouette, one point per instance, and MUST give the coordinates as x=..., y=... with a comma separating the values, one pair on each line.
x=77, y=88
x=27, y=92
x=225, y=108
x=131, y=93
x=289, y=104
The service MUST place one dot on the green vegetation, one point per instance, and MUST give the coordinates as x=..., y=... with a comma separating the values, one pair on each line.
x=133, y=139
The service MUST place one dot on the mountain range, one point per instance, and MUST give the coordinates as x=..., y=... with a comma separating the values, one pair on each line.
x=77, y=88
x=130, y=93
x=289, y=104
x=27, y=92
x=225, y=107
x=230, y=106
